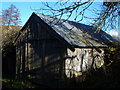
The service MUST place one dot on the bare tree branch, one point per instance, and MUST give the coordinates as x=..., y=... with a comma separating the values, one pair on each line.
x=108, y=12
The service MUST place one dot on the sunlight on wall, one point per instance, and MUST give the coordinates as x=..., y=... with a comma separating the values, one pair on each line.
x=81, y=60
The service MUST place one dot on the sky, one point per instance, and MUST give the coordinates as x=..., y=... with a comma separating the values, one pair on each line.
x=26, y=9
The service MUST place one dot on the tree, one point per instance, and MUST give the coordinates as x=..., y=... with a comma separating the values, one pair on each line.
x=10, y=27
x=106, y=16
x=11, y=16
x=10, y=23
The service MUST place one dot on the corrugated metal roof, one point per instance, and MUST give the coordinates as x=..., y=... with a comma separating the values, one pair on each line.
x=78, y=34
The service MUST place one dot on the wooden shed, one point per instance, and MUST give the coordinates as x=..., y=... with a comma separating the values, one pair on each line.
x=50, y=47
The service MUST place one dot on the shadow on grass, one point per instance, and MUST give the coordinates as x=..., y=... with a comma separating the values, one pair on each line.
x=11, y=83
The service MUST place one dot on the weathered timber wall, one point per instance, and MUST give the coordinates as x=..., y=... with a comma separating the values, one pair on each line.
x=82, y=59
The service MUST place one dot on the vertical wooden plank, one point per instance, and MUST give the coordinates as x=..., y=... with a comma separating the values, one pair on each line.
x=27, y=50
x=19, y=57
x=43, y=56
x=23, y=58
x=82, y=59
x=92, y=58
x=62, y=64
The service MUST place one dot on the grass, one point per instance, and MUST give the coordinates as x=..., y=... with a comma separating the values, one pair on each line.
x=11, y=83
